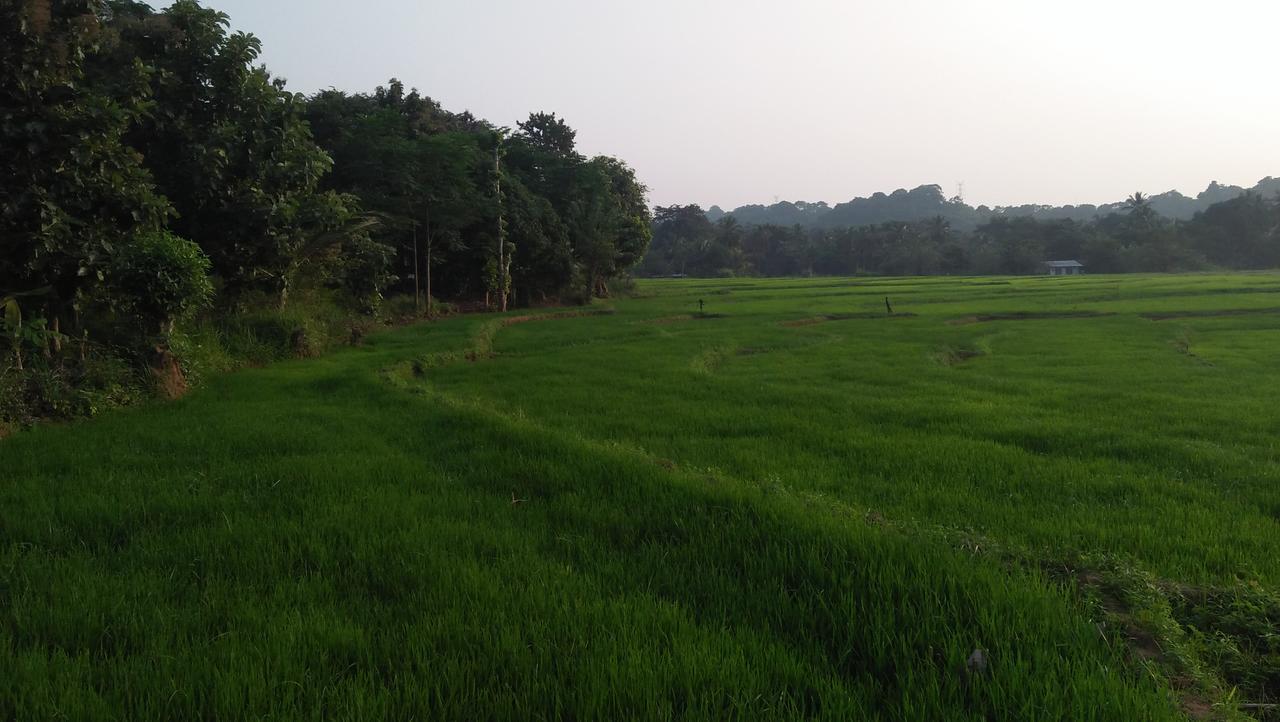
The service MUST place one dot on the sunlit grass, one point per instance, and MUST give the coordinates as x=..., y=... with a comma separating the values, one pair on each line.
x=659, y=514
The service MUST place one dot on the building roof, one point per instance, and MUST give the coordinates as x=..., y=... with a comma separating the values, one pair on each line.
x=1064, y=264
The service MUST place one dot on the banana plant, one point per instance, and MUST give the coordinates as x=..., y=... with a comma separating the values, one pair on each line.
x=14, y=329
x=317, y=243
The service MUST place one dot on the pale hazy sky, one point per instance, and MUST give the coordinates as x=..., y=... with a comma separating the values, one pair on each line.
x=740, y=101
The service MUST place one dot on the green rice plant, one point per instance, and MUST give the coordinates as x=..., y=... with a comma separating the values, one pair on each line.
x=1053, y=511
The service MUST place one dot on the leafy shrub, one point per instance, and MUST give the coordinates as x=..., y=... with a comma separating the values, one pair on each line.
x=366, y=272
x=263, y=333
x=158, y=277
x=400, y=306
x=261, y=336
x=623, y=285
x=313, y=322
x=201, y=351
x=403, y=306
x=73, y=390
x=24, y=334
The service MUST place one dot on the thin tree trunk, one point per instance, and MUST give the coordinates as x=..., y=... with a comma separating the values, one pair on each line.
x=81, y=331
x=417, y=297
x=430, y=303
x=13, y=324
x=497, y=190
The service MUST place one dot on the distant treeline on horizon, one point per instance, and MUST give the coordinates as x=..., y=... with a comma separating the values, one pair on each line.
x=928, y=201
x=920, y=232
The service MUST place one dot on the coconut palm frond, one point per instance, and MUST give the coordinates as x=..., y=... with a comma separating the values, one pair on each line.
x=327, y=239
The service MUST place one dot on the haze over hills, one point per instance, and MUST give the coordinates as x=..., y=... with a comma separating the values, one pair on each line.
x=928, y=201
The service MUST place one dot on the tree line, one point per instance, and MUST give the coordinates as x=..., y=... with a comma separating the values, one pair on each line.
x=1240, y=233
x=928, y=201
x=154, y=168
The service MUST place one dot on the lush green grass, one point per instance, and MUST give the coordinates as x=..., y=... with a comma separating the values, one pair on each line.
x=788, y=506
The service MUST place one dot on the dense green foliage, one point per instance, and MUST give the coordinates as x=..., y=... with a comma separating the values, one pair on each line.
x=448, y=187
x=125, y=130
x=73, y=190
x=157, y=278
x=1241, y=233
x=789, y=505
x=224, y=142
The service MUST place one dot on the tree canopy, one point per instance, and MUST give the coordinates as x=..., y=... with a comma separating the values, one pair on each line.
x=155, y=168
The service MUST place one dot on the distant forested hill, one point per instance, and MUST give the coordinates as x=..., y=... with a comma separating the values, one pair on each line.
x=928, y=202
x=920, y=232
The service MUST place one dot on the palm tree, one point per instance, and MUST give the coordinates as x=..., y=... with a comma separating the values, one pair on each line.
x=1141, y=214
x=1137, y=202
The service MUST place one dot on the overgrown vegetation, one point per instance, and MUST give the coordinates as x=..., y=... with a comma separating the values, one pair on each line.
x=159, y=181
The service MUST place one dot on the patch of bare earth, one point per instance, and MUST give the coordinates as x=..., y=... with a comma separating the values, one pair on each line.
x=955, y=356
x=1143, y=643
x=168, y=376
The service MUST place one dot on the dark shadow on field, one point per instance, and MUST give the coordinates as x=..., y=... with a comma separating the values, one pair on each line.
x=696, y=316
x=1146, y=295
x=825, y=318
x=1208, y=313
x=1027, y=316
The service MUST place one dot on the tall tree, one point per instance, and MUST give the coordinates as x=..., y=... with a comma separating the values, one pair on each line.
x=548, y=133
x=502, y=258
x=72, y=189
x=1238, y=233
x=677, y=232
x=425, y=183
x=632, y=230
x=1142, y=216
x=227, y=145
